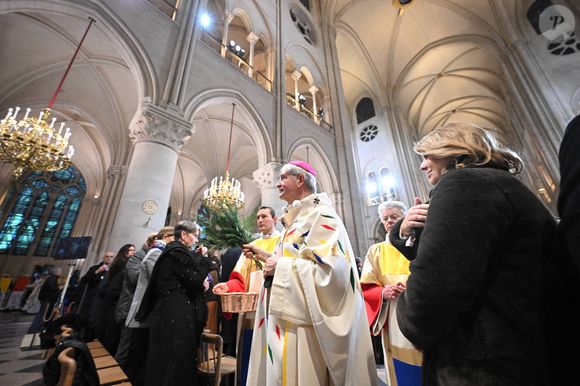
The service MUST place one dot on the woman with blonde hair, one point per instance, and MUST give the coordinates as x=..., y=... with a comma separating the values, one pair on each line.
x=473, y=302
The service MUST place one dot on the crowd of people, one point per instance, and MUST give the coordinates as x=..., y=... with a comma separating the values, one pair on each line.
x=478, y=285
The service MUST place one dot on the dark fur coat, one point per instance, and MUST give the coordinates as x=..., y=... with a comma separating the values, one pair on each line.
x=474, y=300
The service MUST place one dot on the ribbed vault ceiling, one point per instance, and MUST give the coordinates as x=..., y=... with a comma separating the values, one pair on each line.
x=437, y=62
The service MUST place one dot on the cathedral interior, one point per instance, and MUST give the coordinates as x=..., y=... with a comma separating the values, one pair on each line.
x=158, y=86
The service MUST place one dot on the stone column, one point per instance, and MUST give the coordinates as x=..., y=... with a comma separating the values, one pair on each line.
x=337, y=199
x=157, y=138
x=271, y=63
x=252, y=39
x=296, y=75
x=266, y=178
x=228, y=19
x=313, y=90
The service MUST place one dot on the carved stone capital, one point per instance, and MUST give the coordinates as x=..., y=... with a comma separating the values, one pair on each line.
x=228, y=17
x=252, y=38
x=296, y=75
x=268, y=175
x=157, y=125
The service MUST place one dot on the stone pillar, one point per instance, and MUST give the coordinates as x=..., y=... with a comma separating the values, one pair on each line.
x=266, y=178
x=296, y=75
x=313, y=90
x=228, y=19
x=157, y=138
x=271, y=63
x=337, y=198
x=252, y=39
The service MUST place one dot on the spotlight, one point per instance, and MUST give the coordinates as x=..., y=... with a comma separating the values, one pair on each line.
x=205, y=20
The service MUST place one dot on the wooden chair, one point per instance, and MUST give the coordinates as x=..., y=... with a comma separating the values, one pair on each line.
x=68, y=367
x=210, y=360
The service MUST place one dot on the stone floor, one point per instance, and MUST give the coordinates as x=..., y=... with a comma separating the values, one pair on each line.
x=24, y=368
x=17, y=367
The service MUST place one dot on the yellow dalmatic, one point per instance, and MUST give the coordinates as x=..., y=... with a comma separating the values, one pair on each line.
x=247, y=276
x=385, y=265
x=310, y=327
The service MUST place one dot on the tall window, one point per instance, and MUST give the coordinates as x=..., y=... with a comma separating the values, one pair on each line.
x=365, y=110
x=387, y=185
x=373, y=194
x=40, y=211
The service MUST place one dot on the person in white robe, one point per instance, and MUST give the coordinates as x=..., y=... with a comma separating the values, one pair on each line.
x=311, y=325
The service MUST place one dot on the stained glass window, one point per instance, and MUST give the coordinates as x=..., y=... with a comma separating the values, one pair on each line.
x=39, y=211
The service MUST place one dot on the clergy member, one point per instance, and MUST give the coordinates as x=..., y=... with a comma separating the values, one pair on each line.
x=248, y=275
x=310, y=326
x=384, y=274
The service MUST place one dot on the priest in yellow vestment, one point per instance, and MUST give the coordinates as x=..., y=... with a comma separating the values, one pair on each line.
x=247, y=277
x=311, y=324
x=384, y=275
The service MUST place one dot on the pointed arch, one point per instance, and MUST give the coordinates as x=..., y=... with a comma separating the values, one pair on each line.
x=258, y=131
x=326, y=178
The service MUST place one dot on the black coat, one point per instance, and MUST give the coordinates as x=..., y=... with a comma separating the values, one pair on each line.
x=88, y=289
x=112, y=333
x=49, y=291
x=569, y=242
x=569, y=198
x=174, y=299
x=473, y=302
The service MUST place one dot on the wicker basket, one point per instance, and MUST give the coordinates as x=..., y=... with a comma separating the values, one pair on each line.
x=236, y=302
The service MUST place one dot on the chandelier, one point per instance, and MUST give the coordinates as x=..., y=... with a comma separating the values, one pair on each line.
x=225, y=191
x=37, y=143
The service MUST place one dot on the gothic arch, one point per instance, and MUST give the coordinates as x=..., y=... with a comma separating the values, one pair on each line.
x=133, y=53
x=379, y=233
x=327, y=178
x=301, y=58
x=259, y=132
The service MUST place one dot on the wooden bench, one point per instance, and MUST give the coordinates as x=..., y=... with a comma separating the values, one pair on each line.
x=109, y=371
x=99, y=352
x=111, y=376
x=104, y=362
x=94, y=344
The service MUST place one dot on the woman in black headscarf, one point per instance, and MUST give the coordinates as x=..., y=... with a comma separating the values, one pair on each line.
x=176, y=304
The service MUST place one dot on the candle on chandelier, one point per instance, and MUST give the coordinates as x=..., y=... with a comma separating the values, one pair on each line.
x=67, y=134
x=9, y=113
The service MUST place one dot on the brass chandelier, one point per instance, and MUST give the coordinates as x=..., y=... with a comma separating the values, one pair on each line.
x=37, y=143
x=225, y=191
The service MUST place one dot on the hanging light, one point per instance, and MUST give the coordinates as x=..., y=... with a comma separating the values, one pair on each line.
x=402, y=5
x=37, y=143
x=225, y=191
